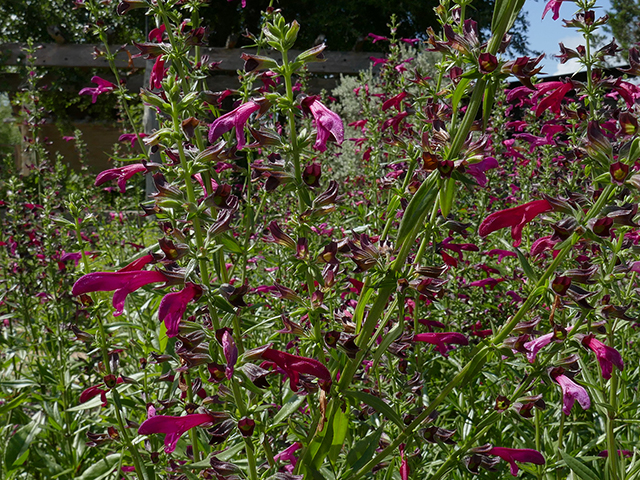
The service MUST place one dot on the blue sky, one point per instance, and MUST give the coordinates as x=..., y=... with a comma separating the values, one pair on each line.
x=544, y=35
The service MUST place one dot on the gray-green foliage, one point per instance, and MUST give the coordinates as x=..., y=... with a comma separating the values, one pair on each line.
x=351, y=99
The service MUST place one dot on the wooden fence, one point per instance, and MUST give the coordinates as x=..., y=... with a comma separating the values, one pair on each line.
x=325, y=75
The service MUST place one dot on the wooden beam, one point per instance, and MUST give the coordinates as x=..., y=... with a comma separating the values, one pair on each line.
x=83, y=55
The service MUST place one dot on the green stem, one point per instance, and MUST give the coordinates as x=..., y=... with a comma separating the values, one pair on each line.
x=242, y=408
x=293, y=135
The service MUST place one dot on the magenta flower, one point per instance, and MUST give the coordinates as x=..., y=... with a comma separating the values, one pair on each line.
x=174, y=427
x=94, y=391
x=294, y=365
x=607, y=356
x=328, y=124
x=571, y=392
x=138, y=264
x=122, y=282
x=230, y=352
x=122, y=174
x=236, y=118
x=157, y=73
x=513, y=455
x=516, y=218
x=287, y=455
x=554, y=6
x=477, y=170
x=173, y=305
x=404, y=465
x=534, y=346
x=131, y=137
x=377, y=38
x=104, y=86
x=555, y=93
x=441, y=340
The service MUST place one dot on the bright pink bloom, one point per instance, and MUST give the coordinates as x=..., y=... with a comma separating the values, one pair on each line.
x=394, y=101
x=157, y=73
x=477, y=170
x=404, y=465
x=516, y=218
x=236, y=118
x=328, y=124
x=173, y=305
x=104, y=86
x=377, y=38
x=94, y=391
x=122, y=174
x=555, y=93
x=138, y=264
x=294, y=365
x=571, y=392
x=554, y=6
x=501, y=253
x=174, y=427
x=287, y=455
x=131, y=137
x=607, y=356
x=513, y=455
x=441, y=340
x=156, y=34
x=122, y=282
x=534, y=346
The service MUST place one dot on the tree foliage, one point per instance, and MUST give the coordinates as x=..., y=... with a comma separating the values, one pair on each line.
x=624, y=20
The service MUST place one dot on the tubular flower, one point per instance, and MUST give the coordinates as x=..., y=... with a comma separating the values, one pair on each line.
x=607, y=356
x=328, y=124
x=236, y=118
x=294, y=365
x=516, y=218
x=122, y=174
x=554, y=6
x=104, y=86
x=513, y=455
x=287, y=455
x=174, y=427
x=441, y=340
x=571, y=392
x=122, y=282
x=173, y=306
x=553, y=93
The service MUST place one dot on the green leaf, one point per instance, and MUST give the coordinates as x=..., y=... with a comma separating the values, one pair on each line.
x=340, y=427
x=93, y=403
x=358, y=315
x=363, y=450
x=377, y=404
x=418, y=207
x=13, y=403
x=230, y=243
x=387, y=340
x=578, y=468
x=18, y=447
x=102, y=468
x=459, y=92
x=447, y=195
x=530, y=272
x=287, y=409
